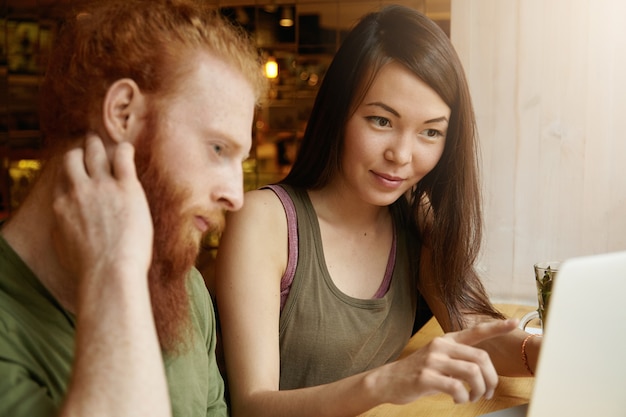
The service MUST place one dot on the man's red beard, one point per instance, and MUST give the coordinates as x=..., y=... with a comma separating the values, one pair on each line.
x=175, y=247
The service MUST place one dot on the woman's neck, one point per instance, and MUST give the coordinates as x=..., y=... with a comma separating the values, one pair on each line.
x=341, y=207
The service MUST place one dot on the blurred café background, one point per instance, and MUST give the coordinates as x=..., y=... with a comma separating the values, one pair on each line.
x=548, y=79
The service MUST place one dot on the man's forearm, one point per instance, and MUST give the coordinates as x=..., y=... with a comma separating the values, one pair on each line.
x=118, y=369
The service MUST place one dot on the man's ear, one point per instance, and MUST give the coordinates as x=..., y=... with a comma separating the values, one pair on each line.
x=123, y=110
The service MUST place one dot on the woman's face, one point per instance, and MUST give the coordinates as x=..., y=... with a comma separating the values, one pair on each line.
x=395, y=137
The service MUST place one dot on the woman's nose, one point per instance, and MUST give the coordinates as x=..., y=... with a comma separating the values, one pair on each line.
x=399, y=150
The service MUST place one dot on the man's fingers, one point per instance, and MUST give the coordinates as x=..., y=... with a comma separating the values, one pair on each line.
x=124, y=161
x=74, y=165
x=96, y=160
x=484, y=331
x=72, y=172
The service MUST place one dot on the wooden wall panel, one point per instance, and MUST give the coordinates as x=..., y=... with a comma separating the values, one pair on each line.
x=548, y=79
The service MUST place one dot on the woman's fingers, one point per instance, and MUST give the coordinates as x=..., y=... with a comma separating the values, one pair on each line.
x=451, y=364
x=483, y=331
x=435, y=382
x=470, y=366
x=485, y=382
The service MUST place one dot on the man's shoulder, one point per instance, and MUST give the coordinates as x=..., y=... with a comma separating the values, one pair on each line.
x=200, y=300
x=196, y=287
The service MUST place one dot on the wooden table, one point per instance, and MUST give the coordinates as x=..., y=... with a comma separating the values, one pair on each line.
x=510, y=391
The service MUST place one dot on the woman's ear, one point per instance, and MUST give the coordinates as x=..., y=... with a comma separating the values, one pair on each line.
x=123, y=110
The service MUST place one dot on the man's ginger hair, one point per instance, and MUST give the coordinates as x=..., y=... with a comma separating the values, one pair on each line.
x=152, y=42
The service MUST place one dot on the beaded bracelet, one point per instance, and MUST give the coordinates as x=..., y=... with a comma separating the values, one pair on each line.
x=525, y=355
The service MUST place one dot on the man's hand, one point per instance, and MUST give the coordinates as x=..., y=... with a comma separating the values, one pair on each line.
x=103, y=238
x=103, y=219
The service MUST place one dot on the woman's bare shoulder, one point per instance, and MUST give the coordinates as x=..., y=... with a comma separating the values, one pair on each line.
x=255, y=235
x=262, y=211
x=262, y=202
x=262, y=196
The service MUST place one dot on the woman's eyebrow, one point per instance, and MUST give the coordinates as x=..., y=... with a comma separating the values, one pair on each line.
x=438, y=120
x=395, y=113
x=385, y=107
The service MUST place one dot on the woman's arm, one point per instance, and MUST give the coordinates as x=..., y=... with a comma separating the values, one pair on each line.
x=505, y=351
x=251, y=260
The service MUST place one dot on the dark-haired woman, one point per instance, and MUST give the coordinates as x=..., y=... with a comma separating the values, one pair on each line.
x=319, y=276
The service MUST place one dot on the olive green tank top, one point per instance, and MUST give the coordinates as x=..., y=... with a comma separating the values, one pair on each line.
x=326, y=335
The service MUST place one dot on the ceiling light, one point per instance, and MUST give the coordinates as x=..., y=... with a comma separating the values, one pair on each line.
x=286, y=18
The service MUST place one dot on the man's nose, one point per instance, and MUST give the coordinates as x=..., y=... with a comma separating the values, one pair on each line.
x=230, y=192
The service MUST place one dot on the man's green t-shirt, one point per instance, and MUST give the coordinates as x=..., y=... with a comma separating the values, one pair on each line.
x=37, y=349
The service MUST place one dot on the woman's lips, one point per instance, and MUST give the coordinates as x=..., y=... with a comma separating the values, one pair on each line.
x=388, y=180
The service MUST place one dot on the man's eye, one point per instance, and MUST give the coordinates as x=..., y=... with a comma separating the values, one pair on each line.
x=380, y=121
x=217, y=149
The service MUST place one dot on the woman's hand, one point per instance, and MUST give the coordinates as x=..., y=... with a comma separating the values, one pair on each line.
x=449, y=364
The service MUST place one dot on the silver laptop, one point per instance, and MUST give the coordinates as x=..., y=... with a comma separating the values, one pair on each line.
x=582, y=363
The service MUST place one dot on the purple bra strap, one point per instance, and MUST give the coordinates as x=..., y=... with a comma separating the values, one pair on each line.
x=384, y=286
x=292, y=241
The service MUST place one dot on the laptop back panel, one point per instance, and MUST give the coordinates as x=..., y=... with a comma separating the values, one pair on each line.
x=582, y=364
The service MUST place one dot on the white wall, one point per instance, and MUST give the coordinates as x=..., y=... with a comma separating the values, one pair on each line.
x=548, y=79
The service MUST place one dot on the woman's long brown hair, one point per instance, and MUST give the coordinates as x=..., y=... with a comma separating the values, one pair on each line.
x=449, y=196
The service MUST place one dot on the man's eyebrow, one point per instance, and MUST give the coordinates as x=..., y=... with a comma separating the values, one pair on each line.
x=385, y=107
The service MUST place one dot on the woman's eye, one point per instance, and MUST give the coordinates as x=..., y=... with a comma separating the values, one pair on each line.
x=432, y=133
x=380, y=121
